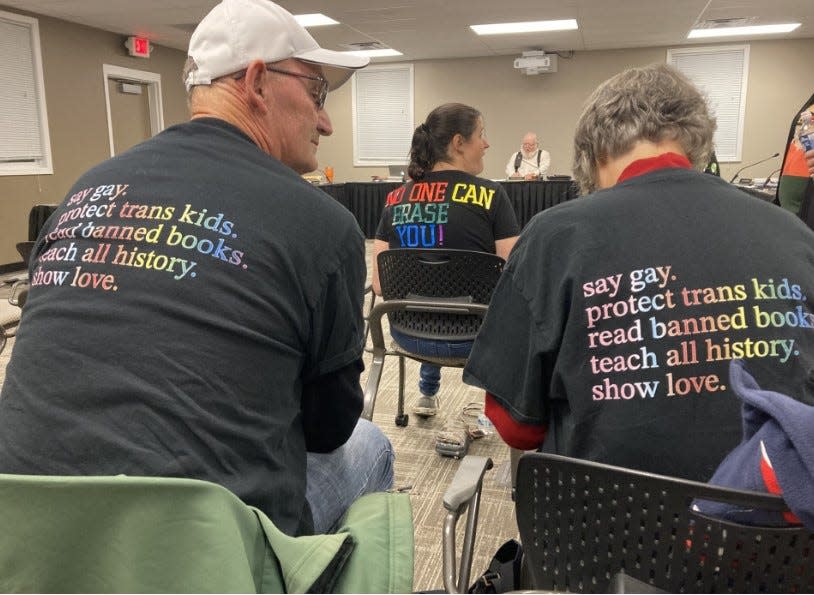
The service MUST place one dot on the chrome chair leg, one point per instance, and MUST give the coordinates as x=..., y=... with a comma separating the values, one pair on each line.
x=401, y=419
x=463, y=495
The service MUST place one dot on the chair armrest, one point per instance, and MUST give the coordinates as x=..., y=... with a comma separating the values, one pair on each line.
x=19, y=293
x=15, y=279
x=466, y=482
x=445, y=307
x=462, y=494
x=368, y=290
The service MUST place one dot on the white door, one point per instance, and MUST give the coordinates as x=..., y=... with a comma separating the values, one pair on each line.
x=129, y=113
x=131, y=117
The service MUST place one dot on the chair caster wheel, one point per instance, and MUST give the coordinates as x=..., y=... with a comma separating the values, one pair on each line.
x=402, y=420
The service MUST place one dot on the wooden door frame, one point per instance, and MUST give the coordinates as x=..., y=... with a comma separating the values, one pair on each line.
x=153, y=82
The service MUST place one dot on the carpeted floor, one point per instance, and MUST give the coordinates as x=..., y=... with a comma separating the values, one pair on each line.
x=424, y=474
x=427, y=474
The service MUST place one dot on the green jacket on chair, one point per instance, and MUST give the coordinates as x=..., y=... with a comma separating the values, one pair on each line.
x=145, y=534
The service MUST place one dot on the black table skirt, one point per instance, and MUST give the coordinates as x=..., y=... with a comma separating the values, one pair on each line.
x=366, y=199
x=530, y=198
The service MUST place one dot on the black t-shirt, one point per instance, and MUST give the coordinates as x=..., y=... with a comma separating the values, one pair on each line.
x=617, y=315
x=447, y=209
x=181, y=297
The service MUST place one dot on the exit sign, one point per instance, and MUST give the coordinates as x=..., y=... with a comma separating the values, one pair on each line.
x=138, y=46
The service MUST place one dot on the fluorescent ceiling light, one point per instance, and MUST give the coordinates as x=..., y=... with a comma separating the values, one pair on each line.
x=374, y=53
x=751, y=30
x=527, y=27
x=314, y=20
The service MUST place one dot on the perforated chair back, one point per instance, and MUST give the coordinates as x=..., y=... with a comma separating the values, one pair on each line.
x=464, y=276
x=581, y=523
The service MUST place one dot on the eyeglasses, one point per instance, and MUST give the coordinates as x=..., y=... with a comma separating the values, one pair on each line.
x=321, y=92
x=318, y=96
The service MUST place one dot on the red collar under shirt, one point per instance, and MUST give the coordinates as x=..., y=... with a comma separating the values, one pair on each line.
x=644, y=166
x=530, y=436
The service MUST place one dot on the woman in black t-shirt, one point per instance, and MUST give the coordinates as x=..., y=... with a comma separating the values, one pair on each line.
x=445, y=205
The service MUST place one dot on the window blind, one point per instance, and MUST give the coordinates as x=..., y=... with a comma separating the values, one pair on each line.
x=23, y=125
x=382, y=115
x=721, y=73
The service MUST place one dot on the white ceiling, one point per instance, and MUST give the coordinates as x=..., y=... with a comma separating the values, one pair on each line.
x=431, y=29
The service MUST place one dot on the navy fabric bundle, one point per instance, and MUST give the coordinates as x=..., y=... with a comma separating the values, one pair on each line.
x=776, y=455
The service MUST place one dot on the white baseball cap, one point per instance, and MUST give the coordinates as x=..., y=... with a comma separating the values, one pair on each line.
x=236, y=32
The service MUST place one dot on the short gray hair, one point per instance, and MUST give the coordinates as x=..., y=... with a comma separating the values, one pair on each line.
x=652, y=103
x=189, y=67
x=195, y=92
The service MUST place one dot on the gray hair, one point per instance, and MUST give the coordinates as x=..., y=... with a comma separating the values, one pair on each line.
x=189, y=67
x=195, y=92
x=653, y=103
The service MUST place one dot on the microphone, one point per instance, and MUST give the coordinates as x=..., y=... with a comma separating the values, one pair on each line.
x=751, y=165
x=769, y=177
x=517, y=161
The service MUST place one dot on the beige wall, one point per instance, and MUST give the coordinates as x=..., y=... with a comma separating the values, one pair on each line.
x=72, y=57
x=780, y=80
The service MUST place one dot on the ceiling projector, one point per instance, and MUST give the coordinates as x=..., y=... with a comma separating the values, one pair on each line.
x=536, y=62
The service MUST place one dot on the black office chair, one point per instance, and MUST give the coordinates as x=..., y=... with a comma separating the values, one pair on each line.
x=20, y=286
x=432, y=294
x=595, y=528
x=25, y=249
x=18, y=293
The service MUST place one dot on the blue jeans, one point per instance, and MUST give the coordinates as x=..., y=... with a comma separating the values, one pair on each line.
x=430, y=376
x=336, y=479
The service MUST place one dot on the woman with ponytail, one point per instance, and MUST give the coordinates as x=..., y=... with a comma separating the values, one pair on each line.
x=445, y=205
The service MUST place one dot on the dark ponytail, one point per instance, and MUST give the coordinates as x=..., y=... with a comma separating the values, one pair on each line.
x=421, y=153
x=431, y=139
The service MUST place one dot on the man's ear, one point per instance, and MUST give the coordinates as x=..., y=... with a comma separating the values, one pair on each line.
x=254, y=82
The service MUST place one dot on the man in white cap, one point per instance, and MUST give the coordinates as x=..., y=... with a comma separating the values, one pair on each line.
x=196, y=307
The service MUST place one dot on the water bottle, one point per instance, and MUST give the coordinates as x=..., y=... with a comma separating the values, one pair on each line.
x=806, y=132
